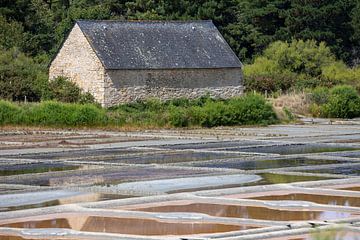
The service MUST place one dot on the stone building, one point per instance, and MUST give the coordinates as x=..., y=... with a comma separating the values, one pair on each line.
x=123, y=61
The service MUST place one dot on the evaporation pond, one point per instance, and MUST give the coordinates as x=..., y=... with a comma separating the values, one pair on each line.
x=356, y=189
x=16, y=169
x=294, y=149
x=274, y=178
x=20, y=201
x=263, y=213
x=6, y=237
x=264, y=164
x=267, y=178
x=323, y=235
x=104, y=176
x=321, y=199
x=173, y=157
x=218, y=144
x=348, y=170
x=82, y=153
x=128, y=226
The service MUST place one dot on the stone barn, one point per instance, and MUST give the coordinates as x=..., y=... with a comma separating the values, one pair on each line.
x=123, y=61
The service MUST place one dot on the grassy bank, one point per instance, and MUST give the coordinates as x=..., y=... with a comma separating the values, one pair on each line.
x=251, y=109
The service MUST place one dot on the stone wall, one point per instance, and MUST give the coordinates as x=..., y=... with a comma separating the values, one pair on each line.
x=131, y=85
x=77, y=61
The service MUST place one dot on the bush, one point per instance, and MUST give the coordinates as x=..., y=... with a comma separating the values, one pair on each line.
x=206, y=112
x=9, y=113
x=52, y=114
x=344, y=102
x=247, y=110
x=62, y=90
x=252, y=109
x=178, y=117
x=297, y=65
x=20, y=77
x=320, y=95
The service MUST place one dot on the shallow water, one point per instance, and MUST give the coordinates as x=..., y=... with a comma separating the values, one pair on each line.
x=128, y=226
x=349, y=170
x=76, y=198
x=265, y=164
x=18, y=169
x=295, y=149
x=209, y=145
x=267, y=179
x=173, y=157
x=248, y=212
x=321, y=199
x=324, y=235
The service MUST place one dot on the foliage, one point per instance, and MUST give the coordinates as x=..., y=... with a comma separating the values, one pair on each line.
x=264, y=22
x=63, y=90
x=320, y=95
x=342, y=101
x=51, y=114
x=299, y=64
x=11, y=34
x=8, y=112
x=20, y=77
x=205, y=111
x=248, y=25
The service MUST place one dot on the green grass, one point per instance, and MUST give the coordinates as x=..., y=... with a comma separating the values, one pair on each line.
x=250, y=109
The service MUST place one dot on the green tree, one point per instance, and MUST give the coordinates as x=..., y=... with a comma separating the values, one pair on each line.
x=20, y=77
x=299, y=64
x=11, y=34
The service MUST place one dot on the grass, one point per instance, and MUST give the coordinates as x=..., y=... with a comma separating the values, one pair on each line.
x=250, y=109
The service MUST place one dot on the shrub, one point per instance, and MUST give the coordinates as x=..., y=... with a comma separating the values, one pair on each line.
x=320, y=95
x=344, y=102
x=9, y=113
x=62, y=114
x=213, y=114
x=297, y=65
x=206, y=112
x=61, y=89
x=20, y=77
x=178, y=117
x=251, y=109
x=301, y=57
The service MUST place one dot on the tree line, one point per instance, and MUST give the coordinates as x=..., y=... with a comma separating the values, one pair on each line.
x=37, y=27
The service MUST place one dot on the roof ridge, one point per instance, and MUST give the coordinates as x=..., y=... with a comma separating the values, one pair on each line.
x=145, y=21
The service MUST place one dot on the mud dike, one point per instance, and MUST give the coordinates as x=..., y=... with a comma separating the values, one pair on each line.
x=279, y=182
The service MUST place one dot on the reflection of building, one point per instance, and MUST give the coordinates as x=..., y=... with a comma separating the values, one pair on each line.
x=120, y=61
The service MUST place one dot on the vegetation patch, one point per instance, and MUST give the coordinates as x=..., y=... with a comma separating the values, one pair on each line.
x=206, y=112
x=338, y=102
x=298, y=65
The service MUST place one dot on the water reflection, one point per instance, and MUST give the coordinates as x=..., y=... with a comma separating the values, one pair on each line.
x=265, y=164
x=322, y=199
x=249, y=212
x=128, y=226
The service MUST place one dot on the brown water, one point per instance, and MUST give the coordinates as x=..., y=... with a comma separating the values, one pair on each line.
x=323, y=235
x=128, y=226
x=356, y=189
x=248, y=212
x=322, y=199
x=3, y=237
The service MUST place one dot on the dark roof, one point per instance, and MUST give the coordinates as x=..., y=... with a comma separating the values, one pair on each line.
x=158, y=45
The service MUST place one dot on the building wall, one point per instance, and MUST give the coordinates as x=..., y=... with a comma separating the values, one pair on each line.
x=77, y=61
x=131, y=85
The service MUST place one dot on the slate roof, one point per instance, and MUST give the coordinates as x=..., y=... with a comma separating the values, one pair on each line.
x=158, y=44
